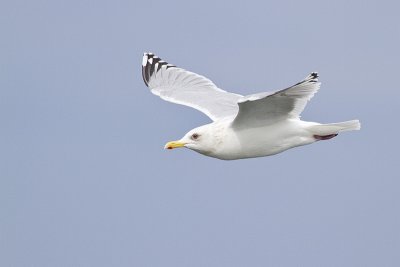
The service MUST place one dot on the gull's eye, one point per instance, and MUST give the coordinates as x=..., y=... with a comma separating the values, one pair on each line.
x=195, y=136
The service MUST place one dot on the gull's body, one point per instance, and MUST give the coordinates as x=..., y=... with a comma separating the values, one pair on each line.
x=257, y=142
x=243, y=126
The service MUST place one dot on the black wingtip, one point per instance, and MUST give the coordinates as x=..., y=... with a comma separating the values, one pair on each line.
x=311, y=78
x=149, y=63
x=314, y=75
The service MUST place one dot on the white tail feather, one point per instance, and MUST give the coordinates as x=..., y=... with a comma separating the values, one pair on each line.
x=334, y=128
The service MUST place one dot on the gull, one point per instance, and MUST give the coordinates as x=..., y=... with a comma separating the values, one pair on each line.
x=250, y=126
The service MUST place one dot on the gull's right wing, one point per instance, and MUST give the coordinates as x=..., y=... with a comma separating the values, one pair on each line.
x=267, y=108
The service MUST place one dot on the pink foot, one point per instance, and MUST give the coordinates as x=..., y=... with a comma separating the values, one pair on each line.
x=324, y=137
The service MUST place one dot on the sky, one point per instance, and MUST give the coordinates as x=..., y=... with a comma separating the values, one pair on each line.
x=84, y=178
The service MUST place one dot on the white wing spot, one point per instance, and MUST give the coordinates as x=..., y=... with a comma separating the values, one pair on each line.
x=144, y=62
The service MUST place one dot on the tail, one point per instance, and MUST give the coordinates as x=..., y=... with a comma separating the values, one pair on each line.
x=330, y=130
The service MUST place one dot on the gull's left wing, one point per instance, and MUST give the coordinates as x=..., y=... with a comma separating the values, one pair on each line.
x=187, y=88
x=267, y=108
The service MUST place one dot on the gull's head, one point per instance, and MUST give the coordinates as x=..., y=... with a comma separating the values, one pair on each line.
x=203, y=139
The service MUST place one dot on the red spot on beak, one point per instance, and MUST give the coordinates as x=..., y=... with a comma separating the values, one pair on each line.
x=170, y=147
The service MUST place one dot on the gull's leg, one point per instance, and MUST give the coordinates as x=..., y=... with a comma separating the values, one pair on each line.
x=324, y=137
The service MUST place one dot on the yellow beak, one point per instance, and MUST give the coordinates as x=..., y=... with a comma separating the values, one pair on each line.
x=174, y=144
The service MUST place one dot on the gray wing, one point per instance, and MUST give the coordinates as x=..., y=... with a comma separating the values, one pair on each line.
x=183, y=87
x=267, y=108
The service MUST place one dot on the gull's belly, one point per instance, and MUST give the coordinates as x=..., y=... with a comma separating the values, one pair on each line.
x=264, y=141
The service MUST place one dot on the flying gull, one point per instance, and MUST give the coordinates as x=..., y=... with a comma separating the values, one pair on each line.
x=250, y=126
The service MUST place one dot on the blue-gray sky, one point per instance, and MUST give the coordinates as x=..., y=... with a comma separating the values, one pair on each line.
x=85, y=180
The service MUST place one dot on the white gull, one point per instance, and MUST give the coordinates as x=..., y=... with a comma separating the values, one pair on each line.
x=243, y=126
